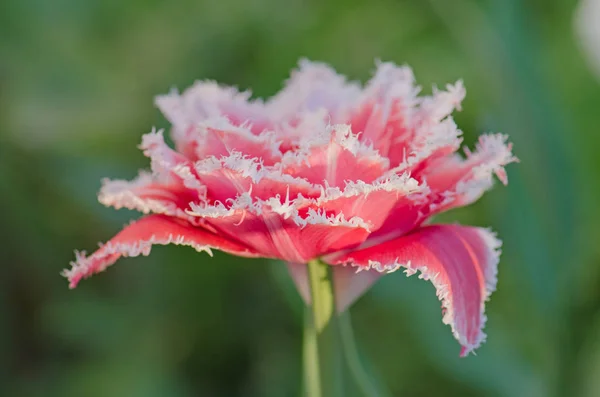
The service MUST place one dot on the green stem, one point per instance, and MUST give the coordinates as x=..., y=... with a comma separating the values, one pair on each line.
x=322, y=349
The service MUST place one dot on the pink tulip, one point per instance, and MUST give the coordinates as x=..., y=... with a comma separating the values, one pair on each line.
x=324, y=169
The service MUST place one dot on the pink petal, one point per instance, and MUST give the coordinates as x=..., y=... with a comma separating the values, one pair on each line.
x=144, y=194
x=461, y=262
x=372, y=202
x=207, y=100
x=384, y=113
x=281, y=229
x=404, y=217
x=169, y=166
x=168, y=190
x=313, y=86
x=406, y=128
x=138, y=238
x=203, y=100
x=428, y=134
x=334, y=156
x=163, y=159
x=429, y=143
x=457, y=182
x=348, y=284
x=221, y=138
x=232, y=175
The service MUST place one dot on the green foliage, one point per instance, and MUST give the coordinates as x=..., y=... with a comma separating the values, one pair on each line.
x=77, y=80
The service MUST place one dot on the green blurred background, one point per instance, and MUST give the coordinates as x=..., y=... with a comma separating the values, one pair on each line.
x=77, y=80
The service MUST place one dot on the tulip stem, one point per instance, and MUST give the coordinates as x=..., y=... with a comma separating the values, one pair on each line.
x=323, y=361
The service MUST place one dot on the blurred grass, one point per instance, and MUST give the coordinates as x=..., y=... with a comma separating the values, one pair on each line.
x=76, y=85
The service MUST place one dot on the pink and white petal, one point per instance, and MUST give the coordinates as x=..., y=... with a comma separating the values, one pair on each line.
x=386, y=107
x=280, y=230
x=405, y=216
x=313, y=232
x=274, y=184
x=162, y=158
x=348, y=284
x=147, y=196
x=168, y=166
x=173, y=182
x=227, y=177
x=438, y=141
x=438, y=106
x=276, y=237
x=230, y=176
x=203, y=100
x=138, y=238
x=220, y=138
x=313, y=86
x=371, y=202
x=208, y=100
x=461, y=262
x=334, y=156
x=458, y=182
x=431, y=133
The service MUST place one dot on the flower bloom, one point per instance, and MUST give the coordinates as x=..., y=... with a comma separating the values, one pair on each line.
x=324, y=169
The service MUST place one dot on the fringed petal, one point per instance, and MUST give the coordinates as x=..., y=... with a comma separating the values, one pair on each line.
x=207, y=100
x=219, y=137
x=430, y=133
x=385, y=110
x=456, y=182
x=283, y=229
x=163, y=159
x=312, y=87
x=144, y=194
x=138, y=238
x=461, y=262
x=372, y=202
x=231, y=175
x=334, y=156
x=168, y=190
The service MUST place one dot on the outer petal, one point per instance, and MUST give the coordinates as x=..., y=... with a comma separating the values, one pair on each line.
x=431, y=132
x=168, y=190
x=283, y=230
x=207, y=100
x=457, y=182
x=145, y=195
x=461, y=262
x=138, y=238
x=220, y=138
x=384, y=113
x=312, y=87
x=348, y=285
x=164, y=161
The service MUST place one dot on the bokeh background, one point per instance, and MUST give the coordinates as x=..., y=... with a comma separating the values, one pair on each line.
x=77, y=80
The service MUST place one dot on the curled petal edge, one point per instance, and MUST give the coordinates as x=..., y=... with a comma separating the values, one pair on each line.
x=138, y=237
x=461, y=262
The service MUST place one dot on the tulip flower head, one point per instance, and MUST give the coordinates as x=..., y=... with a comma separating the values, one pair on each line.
x=324, y=169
